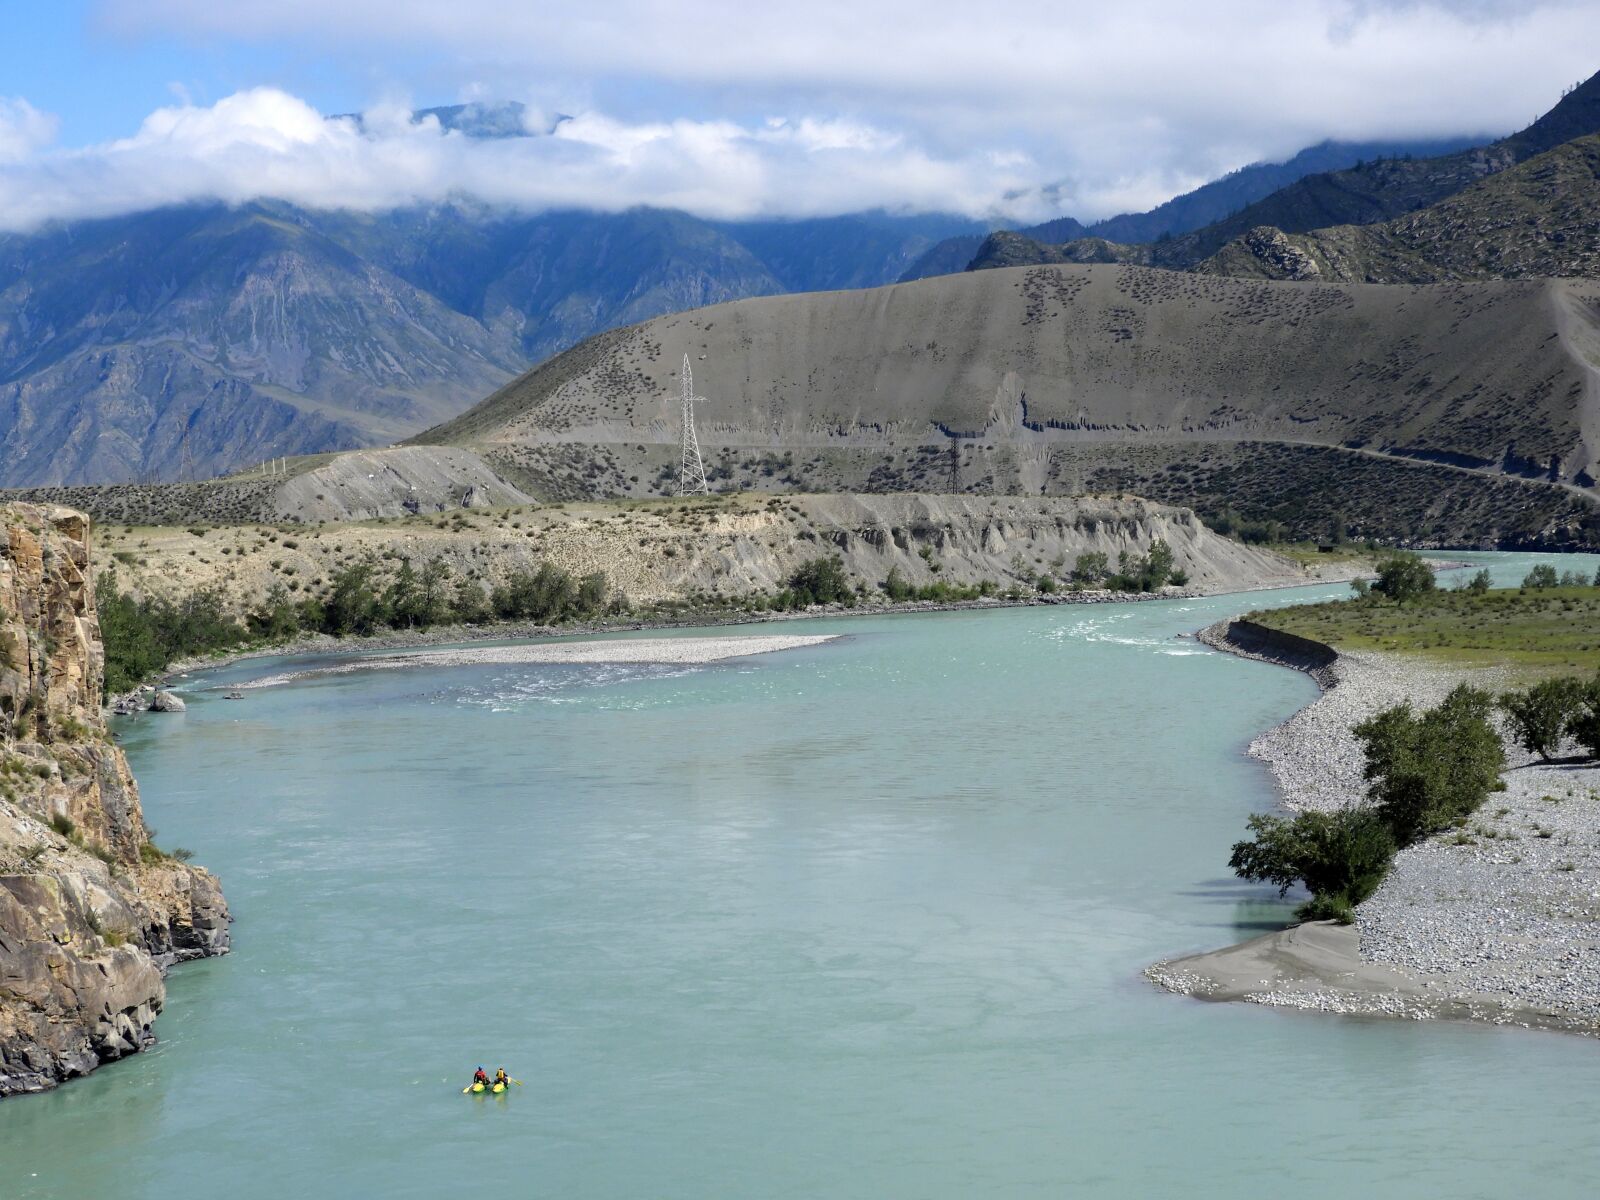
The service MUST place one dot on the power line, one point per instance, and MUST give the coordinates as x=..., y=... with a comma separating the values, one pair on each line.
x=691, y=471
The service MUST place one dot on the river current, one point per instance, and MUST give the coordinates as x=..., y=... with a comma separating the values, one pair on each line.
x=865, y=919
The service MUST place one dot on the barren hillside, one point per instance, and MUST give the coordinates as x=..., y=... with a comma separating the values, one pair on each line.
x=1452, y=412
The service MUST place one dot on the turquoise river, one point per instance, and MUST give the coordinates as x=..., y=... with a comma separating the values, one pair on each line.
x=865, y=919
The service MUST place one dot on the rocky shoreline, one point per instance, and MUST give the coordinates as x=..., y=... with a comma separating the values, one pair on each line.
x=92, y=913
x=1495, y=923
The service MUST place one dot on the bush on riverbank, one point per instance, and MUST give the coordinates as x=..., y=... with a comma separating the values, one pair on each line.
x=1403, y=576
x=1429, y=770
x=1341, y=857
x=939, y=592
x=142, y=636
x=1542, y=714
x=1426, y=772
x=1149, y=573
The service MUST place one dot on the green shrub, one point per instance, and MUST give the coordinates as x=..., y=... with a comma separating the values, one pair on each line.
x=1340, y=856
x=1479, y=583
x=142, y=636
x=1404, y=576
x=1090, y=568
x=1542, y=576
x=821, y=581
x=1583, y=725
x=1427, y=771
x=1541, y=714
x=1149, y=573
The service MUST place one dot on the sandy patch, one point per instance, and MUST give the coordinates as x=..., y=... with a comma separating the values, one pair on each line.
x=677, y=651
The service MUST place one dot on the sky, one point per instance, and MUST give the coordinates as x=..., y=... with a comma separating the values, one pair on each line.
x=1016, y=110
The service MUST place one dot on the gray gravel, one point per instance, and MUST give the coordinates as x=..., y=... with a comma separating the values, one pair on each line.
x=1501, y=917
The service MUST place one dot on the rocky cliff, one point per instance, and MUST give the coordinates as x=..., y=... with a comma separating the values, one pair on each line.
x=91, y=912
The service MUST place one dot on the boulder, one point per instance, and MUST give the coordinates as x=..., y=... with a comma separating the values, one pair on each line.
x=166, y=702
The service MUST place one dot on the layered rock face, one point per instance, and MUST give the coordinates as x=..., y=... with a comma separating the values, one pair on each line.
x=91, y=913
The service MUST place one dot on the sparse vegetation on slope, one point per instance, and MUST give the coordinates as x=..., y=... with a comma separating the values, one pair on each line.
x=1536, y=219
x=1278, y=401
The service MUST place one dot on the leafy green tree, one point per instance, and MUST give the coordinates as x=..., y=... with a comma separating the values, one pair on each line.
x=132, y=648
x=1156, y=568
x=402, y=599
x=821, y=581
x=1090, y=568
x=470, y=605
x=1542, y=576
x=1340, y=856
x=546, y=594
x=1541, y=714
x=352, y=605
x=1428, y=770
x=275, y=617
x=434, y=587
x=141, y=636
x=1404, y=576
x=592, y=593
x=1479, y=583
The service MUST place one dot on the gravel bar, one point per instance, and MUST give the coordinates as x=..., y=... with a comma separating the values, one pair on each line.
x=1497, y=922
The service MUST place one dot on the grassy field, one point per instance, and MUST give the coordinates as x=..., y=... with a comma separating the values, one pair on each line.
x=1553, y=631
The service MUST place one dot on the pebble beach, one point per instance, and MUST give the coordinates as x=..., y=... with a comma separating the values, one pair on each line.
x=1499, y=921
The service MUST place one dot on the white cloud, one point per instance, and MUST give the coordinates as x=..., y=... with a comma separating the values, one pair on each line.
x=24, y=130
x=266, y=143
x=1022, y=108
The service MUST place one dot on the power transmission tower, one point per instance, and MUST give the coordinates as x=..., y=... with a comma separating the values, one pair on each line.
x=691, y=471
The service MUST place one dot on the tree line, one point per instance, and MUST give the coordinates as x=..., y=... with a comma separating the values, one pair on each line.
x=143, y=634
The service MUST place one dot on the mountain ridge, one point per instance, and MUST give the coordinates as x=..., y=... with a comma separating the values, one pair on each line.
x=1201, y=206
x=1062, y=378
x=196, y=340
x=1370, y=193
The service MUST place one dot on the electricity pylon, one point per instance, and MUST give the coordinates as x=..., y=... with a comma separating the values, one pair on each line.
x=691, y=471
